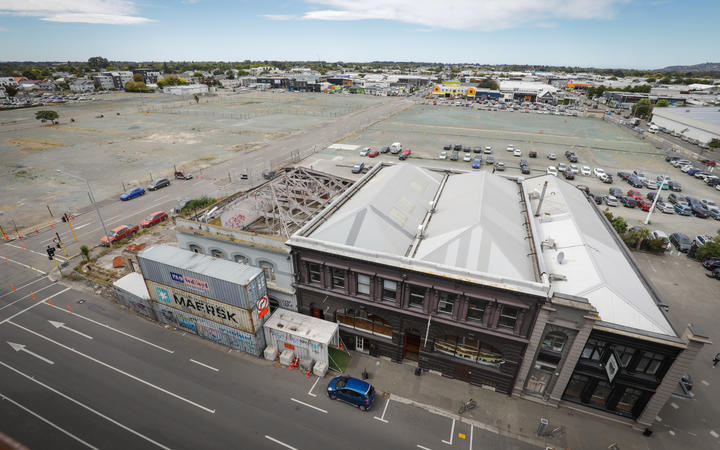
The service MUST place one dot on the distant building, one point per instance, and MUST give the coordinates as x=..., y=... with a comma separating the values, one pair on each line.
x=119, y=79
x=188, y=89
x=701, y=124
x=82, y=85
x=103, y=82
x=453, y=89
x=150, y=76
x=527, y=91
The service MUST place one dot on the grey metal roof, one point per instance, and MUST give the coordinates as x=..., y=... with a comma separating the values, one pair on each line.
x=707, y=118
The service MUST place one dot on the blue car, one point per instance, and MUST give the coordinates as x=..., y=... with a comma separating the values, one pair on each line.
x=477, y=162
x=132, y=193
x=683, y=209
x=351, y=390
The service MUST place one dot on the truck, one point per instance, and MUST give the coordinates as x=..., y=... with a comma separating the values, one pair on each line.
x=635, y=121
x=395, y=148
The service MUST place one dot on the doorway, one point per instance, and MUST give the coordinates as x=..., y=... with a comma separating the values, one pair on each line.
x=411, y=347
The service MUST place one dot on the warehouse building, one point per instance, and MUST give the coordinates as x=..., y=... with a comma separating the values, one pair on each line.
x=532, y=293
x=453, y=90
x=701, y=124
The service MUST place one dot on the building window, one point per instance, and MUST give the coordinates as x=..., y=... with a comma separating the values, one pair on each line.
x=628, y=400
x=650, y=363
x=241, y=259
x=600, y=394
x=417, y=297
x=361, y=320
x=338, y=278
x=554, y=341
x=363, y=284
x=469, y=349
x=508, y=317
x=268, y=269
x=576, y=385
x=446, y=302
x=196, y=249
x=314, y=272
x=624, y=354
x=389, y=291
x=476, y=309
x=593, y=349
x=217, y=253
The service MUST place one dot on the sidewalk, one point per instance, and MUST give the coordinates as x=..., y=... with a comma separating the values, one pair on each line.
x=498, y=413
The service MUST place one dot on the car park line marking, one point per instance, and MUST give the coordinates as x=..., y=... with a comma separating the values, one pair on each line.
x=204, y=365
x=33, y=413
x=471, y=436
x=705, y=382
x=37, y=253
x=20, y=287
x=279, y=442
x=674, y=405
x=382, y=418
x=691, y=433
x=658, y=418
x=714, y=434
x=111, y=328
x=313, y=387
x=32, y=306
x=23, y=348
x=672, y=433
x=83, y=225
x=421, y=447
x=67, y=397
x=24, y=265
x=62, y=325
x=120, y=371
x=29, y=295
x=308, y=405
x=452, y=432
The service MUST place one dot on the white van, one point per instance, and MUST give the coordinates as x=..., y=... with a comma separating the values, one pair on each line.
x=653, y=129
x=395, y=148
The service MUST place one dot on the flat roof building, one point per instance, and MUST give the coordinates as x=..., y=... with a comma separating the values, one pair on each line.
x=699, y=123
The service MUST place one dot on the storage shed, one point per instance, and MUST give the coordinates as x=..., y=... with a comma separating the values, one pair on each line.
x=308, y=337
x=131, y=292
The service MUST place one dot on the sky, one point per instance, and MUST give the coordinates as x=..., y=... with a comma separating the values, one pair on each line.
x=642, y=34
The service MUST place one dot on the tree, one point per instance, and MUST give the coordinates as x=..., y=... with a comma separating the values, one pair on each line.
x=85, y=251
x=196, y=98
x=98, y=62
x=138, y=78
x=619, y=224
x=642, y=108
x=11, y=90
x=47, y=115
x=662, y=103
x=714, y=143
x=198, y=75
x=488, y=83
x=136, y=86
x=710, y=249
x=172, y=80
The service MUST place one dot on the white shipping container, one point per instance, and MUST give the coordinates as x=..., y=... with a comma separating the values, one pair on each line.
x=131, y=292
x=308, y=337
x=223, y=313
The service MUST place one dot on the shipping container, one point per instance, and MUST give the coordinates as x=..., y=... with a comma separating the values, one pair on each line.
x=222, y=313
x=253, y=344
x=226, y=281
x=132, y=293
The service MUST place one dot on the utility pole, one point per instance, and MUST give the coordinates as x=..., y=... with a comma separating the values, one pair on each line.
x=657, y=196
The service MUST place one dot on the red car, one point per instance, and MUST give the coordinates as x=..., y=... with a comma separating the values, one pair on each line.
x=373, y=153
x=634, y=194
x=404, y=155
x=709, y=162
x=643, y=204
x=182, y=175
x=118, y=234
x=154, y=219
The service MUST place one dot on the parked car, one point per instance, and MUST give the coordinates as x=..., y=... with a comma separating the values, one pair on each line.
x=351, y=390
x=406, y=153
x=517, y=152
x=132, y=193
x=500, y=166
x=561, y=167
x=598, y=199
x=651, y=196
x=611, y=200
x=447, y=147
x=373, y=153
x=623, y=175
x=681, y=241
x=598, y=171
x=442, y=155
x=683, y=209
x=585, y=170
x=268, y=174
x=583, y=188
x=643, y=204
x=487, y=150
x=606, y=178
x=702, y=239
x=467, y=157
x=532, y=154
x=660, y=235
x=510, y=148
x=525, y=169
x=569, y=175
x=358, y=167
x=457, y=147
x=552, y=156
x=365, y=151
x=118, y=234
x=454, y=156
x=634, y=181
x=699, y=211
x=708, y=162
x=664, y=207
x=183, y=175
x=634, y=194
x=714, y=274
x=154, y=219
x=476, y=163
x=650, y=184
x=674, y=186
x=386, y=149
x=158, y=184
x=709, y=204
x=477, y=149
x=489, y=160
x=628, y=202
x=574, y=168
x=711, y=264
x=552, y=170
x=573, y=158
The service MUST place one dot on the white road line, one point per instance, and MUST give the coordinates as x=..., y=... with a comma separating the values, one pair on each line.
x=62, y=325
x=23, y=298
x=113, y=218
x=308, y=405
x=452, y=432
x=672, y=433
x=37, y=253
x=692, y=434
x=705, y=382
x=313, y=387
x=24, y=265
x=714, y=434
x=423, y=448
x=674, y=405
x=32, y=306
x=83, y=226
x=84, y=406
x=20, y=287
x=279, y=442
x=120, y=371
x=111, y=328
x=471, y=435
x=658, y=418
x=23, y=348
x=382, y=418
x=205, y=365
x=67, y=433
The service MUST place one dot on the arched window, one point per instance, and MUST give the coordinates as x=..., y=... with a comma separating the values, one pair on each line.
x=269, y=270
x=242, y=259
x=469, y=349
x=217, y=253
x=554, y=341
x=361, y=320
x=196, y=249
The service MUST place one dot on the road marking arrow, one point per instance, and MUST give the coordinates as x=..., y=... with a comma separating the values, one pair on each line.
x=62, y=325
x=21, y=348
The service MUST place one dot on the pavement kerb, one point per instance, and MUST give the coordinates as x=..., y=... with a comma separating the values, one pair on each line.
x=474, y=423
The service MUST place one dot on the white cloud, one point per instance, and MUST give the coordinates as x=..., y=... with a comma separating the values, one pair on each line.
x=280, y=16
x=487, y=15
x=117, y=12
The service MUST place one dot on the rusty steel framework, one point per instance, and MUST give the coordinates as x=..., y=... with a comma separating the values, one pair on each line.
x=283, y=205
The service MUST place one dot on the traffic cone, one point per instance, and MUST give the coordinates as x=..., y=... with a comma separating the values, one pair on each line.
x=50, y=301
x=307, y=374
x=69, y=309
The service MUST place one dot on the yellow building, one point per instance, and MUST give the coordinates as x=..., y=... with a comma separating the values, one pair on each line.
x=453, y=90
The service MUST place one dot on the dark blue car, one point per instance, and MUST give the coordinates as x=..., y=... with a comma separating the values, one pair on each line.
x=354, y=391
x=476, y=163
x=132, y=193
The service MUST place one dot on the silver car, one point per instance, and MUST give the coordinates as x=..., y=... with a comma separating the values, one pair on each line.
x=611, y=200
x=664, y=207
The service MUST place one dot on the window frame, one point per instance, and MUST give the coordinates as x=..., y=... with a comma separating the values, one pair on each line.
x=310, y=270
x=446, y=301
x=654, y=357
x=333, y=276
x=266, y=269
x=554, y=336
x=501, y=316
x=411, y=287
x=598, y=347
x=378, y=325
x=383, y=289
x=358, y=275
x=485, y=303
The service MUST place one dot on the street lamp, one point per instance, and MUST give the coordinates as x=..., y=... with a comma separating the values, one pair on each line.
x=92, y=198
x=652, y=207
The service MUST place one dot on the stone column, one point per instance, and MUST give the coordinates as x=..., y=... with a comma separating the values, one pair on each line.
x=571, y=360
x=695, y=339
x=531, y=349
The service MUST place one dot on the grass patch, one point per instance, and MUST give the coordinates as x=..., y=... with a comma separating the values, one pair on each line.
x=198, y=203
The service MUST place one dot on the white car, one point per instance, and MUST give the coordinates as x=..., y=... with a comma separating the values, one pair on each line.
x=666, y=208
x=517, y=152
x=488, y=149
x=598, y=171
x=510, y=148
x=574, y=169
x=585, y=171
x=686, y=168
x=552, y=156
x=364, y=151
x=442, y=155
x=561, y=167
x=709, y=204
x=467, y=157
x=551, y=170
